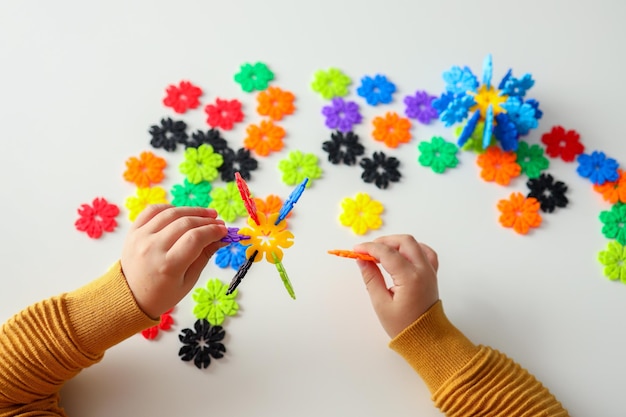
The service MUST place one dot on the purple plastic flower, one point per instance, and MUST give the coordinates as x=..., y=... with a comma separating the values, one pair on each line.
x=233, y=235
x=342, y=115
x=420, y=106
x=597, y=167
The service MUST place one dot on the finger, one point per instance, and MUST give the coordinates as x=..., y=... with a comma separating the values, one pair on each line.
x=407, y=246
x=197, y=266
x=191, y=244
x=374, y=282
x=148, y=214
x=390, y=258
x=171, y=214
x=431, y=255
x=170, y=234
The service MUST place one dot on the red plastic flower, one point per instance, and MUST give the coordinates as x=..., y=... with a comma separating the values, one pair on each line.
x=183, y=97
x=565, y=144
x=164, y=324
x=224, y=113
x=97, y=218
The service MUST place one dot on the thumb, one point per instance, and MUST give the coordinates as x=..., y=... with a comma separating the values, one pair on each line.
x=374, y=282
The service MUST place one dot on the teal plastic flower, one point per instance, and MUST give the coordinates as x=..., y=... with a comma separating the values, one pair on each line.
x=254, y=77
x=531, y=159
x=201, y=164
x=331, y=83
x=438, y=154
x=613, y=257
x=614, y=221
x=193, y=195
x=212, y=303
x=298, y=166
x=228, y=203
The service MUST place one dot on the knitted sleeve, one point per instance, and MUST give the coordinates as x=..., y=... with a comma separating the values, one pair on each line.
x=468, y=380
x=50, y=342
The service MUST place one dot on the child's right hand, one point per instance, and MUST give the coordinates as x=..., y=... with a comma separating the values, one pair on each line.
x=413, y=269
x=166, y=250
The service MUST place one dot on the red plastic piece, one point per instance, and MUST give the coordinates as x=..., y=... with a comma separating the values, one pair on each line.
x=246, y=197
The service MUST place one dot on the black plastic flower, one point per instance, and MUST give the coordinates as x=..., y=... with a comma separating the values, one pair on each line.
x=381, y=170
x=343, y=148
x=549, y=193
x=239, y=161
x=168, y=134
x=210, y=137
x=202, y=344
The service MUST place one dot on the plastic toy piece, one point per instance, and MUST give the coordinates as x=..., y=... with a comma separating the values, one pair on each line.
x=469, y=128
x=241, y=273
x=353, y=255
x=487, y=70
x=246, y=197
x=233, y=236
x=283, y=276
x=488, y=127
x=290, y=202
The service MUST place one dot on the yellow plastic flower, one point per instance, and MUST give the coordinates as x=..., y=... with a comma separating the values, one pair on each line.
x=266, y=237
x=361, y=213
x=486, y=96
x=143, y=198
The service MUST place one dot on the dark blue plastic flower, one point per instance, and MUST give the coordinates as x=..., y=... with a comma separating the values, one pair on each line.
x=597, y=167
x=469, y=128
x=441, y=104
x=518, y=87
x=233, y=255
x=457, y=110
x=460, y=80
x=376, y=90
x=506, y=132
x=522, y=114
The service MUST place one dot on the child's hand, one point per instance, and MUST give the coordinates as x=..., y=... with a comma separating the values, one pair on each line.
x=413, y=269
x=166, y=250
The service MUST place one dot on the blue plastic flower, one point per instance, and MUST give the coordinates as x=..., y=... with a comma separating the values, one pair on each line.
x=441, y=104
x=535, y=104
x=469, y=128
x=520, y=113
x=376, y=90
x=518, y=87
x=597, y=167
x=506, y=132
x=460, y=80
x=457, y=110
x=233, y=255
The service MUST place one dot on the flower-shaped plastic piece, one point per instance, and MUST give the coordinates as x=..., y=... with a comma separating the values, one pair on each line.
x=614, y=222
x=342, y=115
x=246, y=197
x=343, y=148
x=228, y=203
x=498, y=166
x=380, y=169
x=565, y=144
x=275, y=103
x=254, y=77
x=298, y=166
x=361, y=213
x=233, y=235
x=457, y=109
x=143, y=198
x=475, y=142
x=224, y=113
x=420, y=106
x=191, y=195
x=145, y=170
x=377, y=90
x=165, y=323
x=522, y=114
x=266, y=238
x=614, y=191
x=271, y=204
x=438, y=154
x=460, y=80
x=265, y=138
x=531, y=159
x=291, y=201
x=549, y=193
x=520, y=213
x=212, y=302
x=331, y=83
x=239, y=161
x=518, y=87
x=169, y=134
x=506, y=133
x=486, y=97
x=202, y=344
x=97, y=218
x=282, y=272
x=200, y=164
x=211, y=137
x=392, y=129
x=613, y=258
x=182, y=97
x=597, y=167
x=241, y=272
x=233, y=255
x=353, y=255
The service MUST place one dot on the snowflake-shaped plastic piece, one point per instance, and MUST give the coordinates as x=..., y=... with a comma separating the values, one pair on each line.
x=613, y=191
x=613, y=258
x=522, y=114
x=233, y=256
x=520, y=213
x=202, y=343
x=343, y=148
x=460, y=80
x=211, y=137
x=145, y=170
x=254, y=77
x=191, y=195
x=342, y=115
x=298, y=166
x=438, y=154
x=562, y=143
x=457, y=110
x=518, y=87
x=168, y=134
x=224, y=113
x=201, y=164
x=419, y=106
x=266, y=237
x=97, y=218
x=212, y=302
x=228, y=203
x=143, y=198
x=380, y=170
x=361, y=213
x=392, y=129
x=498, y=166
x=597, y=167
x=376, y=90
x=275, y=103
x=505, y=131
x=549, y=193
x=531, y=159
x=182, y=97
x=331, y=83
x=240, y=161
x=614, y=221
x=264, y=138
x=165, y=323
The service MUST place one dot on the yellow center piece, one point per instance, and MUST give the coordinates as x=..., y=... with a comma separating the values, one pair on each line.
x=266, y=237
x=486, y=96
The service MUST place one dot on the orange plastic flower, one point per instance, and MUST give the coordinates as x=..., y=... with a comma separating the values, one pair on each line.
x=614, y=191
x=265, y=138
x=498, y=166
x=392, y=129
x=145, y=170
x=275, y=103
x=520, y=213
x=270, y=205
x=266, y=237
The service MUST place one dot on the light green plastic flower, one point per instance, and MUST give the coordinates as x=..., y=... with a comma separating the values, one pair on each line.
x=201, y=164
x=614, y=260
x=228, y=203
x=331, y=83
x=298, y=166
x=213, y=304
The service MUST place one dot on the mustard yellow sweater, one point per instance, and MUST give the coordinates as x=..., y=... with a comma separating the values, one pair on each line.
x=50, y=342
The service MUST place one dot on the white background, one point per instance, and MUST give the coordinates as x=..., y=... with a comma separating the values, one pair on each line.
x=81, y=83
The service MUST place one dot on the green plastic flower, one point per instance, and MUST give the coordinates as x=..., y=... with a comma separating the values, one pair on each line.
x=475, y=141
x=298, y=166
x=254, y=77
x=438, y=154
x=331, y=83
x=228, y=203
x=194, y=195
x=201, y=164
x=531, y=159
x=614, y=260
x=614, y=221
x=213, y=304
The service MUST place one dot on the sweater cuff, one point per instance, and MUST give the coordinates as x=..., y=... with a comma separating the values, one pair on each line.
x=104, y=312
x=434, y=347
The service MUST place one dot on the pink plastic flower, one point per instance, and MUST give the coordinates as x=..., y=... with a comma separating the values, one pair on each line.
x=97, y=218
